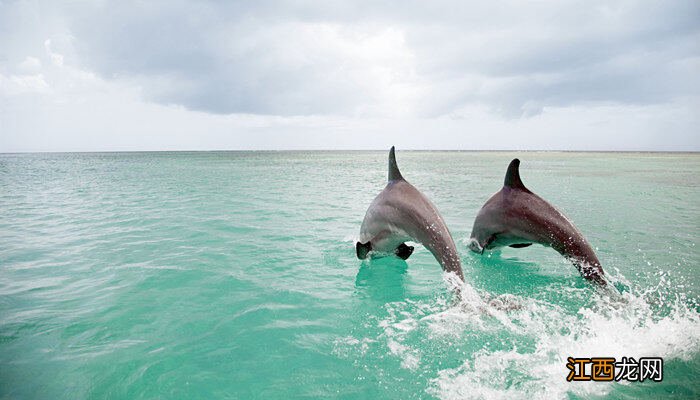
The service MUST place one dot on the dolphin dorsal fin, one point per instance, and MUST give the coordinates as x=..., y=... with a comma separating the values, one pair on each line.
x=394, y=173
x=513, y=176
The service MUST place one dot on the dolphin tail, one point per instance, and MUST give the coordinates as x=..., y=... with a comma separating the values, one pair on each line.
x=512, y=179
x=592, y=272
x=584, y=259
x=394, y=173
x=362, y=249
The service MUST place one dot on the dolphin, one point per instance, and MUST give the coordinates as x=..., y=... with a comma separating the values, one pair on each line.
x=516, y=217
x=401, y=213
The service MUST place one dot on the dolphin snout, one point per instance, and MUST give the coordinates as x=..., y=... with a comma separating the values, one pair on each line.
x=475, y=246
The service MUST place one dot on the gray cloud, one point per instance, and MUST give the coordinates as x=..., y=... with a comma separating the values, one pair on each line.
x=377, y=58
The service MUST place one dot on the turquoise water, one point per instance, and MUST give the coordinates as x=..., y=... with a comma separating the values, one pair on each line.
x=233, y=275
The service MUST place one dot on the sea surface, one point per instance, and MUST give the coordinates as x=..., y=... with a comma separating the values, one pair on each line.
x=232, y=275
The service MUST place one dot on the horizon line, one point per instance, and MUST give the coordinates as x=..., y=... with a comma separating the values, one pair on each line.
x=352, y=150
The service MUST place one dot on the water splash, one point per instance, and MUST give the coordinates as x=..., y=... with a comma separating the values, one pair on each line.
x=527, y=341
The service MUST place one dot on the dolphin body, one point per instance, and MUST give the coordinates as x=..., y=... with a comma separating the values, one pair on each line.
x=516, y=217
x=401, y=213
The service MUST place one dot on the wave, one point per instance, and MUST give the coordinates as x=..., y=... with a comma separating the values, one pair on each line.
x=512, y=347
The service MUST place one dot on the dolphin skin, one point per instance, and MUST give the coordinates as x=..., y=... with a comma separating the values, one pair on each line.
x=516, y=217
x=401, y=213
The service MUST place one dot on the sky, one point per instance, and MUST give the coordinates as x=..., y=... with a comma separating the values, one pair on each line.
x=274, y=75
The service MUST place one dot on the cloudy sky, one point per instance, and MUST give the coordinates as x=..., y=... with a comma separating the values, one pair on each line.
x=174, y=75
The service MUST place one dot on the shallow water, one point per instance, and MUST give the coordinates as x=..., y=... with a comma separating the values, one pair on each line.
x=233, y=275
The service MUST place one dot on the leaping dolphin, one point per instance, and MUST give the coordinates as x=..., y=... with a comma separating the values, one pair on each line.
x=516, y=217
x=401, y=213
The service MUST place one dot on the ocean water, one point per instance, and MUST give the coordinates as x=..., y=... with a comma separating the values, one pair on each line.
x=233, y=275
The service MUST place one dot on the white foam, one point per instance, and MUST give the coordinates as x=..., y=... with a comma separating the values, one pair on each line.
x=614, y=327
x=410, y=358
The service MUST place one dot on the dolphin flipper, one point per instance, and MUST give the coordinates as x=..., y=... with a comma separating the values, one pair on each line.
x=362, y=249
x=404, y=251
x=520, y=245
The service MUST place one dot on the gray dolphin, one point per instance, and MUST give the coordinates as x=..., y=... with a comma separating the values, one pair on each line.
x=516, y=217
x=401, y=213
